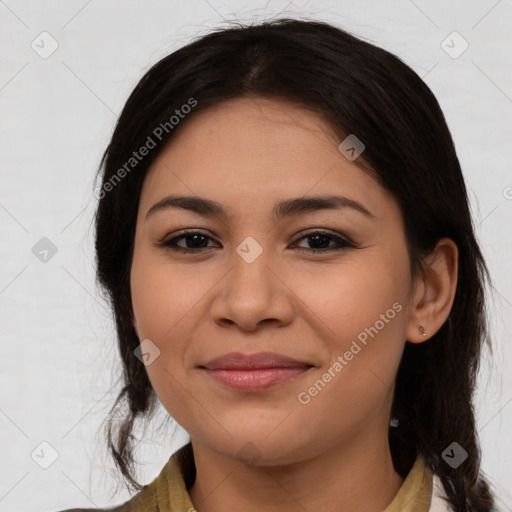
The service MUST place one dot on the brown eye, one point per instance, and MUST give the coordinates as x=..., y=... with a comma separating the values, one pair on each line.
x=321, y=239
x=197, y=241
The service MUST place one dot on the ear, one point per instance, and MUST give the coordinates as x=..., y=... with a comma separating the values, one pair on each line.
x=434, y=292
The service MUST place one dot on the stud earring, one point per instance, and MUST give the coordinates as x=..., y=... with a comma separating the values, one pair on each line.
x=422, y=330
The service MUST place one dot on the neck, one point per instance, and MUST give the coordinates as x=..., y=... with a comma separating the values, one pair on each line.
x=350, y=476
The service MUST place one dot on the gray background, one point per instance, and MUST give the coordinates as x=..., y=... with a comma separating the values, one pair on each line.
x=59, y=368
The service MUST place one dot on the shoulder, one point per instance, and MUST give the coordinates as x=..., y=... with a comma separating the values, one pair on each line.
x=439, y=499
x=166, y=492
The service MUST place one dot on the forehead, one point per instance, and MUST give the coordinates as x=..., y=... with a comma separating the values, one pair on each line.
x=255, y=151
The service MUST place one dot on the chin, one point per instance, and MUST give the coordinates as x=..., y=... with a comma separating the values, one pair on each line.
x=260, y=449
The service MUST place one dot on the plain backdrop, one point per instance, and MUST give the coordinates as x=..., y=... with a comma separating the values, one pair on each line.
x=66, y=70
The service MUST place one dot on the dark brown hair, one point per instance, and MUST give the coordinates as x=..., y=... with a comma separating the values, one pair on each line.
x=360, y=89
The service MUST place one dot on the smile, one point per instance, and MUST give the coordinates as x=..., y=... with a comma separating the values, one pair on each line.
x=255, y=379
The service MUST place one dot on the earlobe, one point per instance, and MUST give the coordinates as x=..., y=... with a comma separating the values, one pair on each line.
x=433, y=298
x=420, y=336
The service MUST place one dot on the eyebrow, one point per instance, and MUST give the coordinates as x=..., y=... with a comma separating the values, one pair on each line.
x=283, y=209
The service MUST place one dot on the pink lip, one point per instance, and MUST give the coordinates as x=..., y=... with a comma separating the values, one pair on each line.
x=253, y=372
x=240, y=361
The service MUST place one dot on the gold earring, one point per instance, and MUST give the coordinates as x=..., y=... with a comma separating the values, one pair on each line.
x=422, y=330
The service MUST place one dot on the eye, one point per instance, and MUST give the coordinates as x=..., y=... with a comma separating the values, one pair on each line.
x=320, y=238
x=198, y=239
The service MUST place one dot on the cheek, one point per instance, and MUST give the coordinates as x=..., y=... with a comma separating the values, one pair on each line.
x=360, y=310
x=161, y=296
x=167, y=311
x=362, y=315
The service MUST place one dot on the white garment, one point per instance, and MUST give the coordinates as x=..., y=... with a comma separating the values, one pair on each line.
x=438, y=504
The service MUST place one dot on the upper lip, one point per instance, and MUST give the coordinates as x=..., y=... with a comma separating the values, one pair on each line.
x=240, y=361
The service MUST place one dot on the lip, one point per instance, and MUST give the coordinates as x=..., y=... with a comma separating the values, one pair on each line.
x=256, y=361
x=254, y=372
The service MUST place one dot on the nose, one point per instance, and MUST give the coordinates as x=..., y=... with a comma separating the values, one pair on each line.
x=253, y=292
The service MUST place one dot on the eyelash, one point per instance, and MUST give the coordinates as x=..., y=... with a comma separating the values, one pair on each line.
x=345, y=244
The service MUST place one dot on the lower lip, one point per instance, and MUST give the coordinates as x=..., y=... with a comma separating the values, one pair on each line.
x=256, y=380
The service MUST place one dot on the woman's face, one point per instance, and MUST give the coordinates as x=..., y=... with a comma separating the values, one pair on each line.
x=253, y=284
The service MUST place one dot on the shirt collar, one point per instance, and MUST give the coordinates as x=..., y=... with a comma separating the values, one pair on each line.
x=414, y=495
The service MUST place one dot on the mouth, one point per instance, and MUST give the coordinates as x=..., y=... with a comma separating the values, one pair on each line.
x=254, y=372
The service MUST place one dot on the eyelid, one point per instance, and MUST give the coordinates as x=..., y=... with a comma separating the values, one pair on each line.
x=188, y=231
x=313, y=230
x=344, y=241
x=324, y=231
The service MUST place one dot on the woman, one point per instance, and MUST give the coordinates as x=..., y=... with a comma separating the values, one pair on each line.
x=284, y=233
